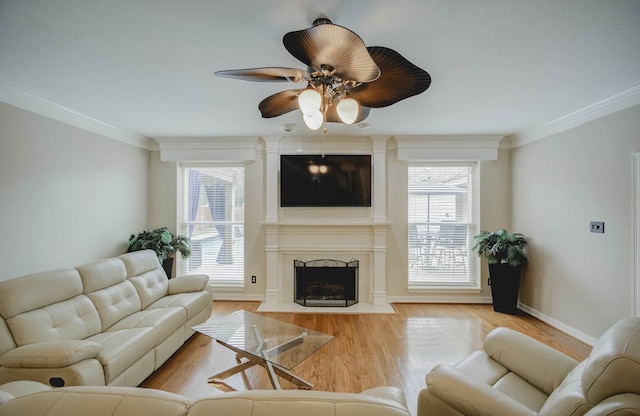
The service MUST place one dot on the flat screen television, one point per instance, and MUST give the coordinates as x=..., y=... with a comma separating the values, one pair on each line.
x=325, y=181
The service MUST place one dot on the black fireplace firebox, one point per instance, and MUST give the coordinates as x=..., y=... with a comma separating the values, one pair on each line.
x=326, y=282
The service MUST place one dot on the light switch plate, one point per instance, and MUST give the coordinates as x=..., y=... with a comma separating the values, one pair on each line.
x=596, y=227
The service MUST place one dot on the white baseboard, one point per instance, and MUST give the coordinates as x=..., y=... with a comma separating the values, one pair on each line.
x=581, y=336
x=439, y=299
x=220, y=295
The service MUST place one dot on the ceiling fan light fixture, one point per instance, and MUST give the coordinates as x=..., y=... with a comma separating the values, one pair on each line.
x=309, y=101
x=347, y=110
x=313, y=121
x=344, y=78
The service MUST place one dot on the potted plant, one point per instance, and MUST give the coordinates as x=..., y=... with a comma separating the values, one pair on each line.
x=164, y=243
x=505, y=255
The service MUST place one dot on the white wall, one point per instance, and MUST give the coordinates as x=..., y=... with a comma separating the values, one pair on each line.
x=67, y=196
x=559, y=184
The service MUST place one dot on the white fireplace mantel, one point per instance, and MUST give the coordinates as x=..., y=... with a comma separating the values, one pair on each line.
x=346, y=241
x=340, y=234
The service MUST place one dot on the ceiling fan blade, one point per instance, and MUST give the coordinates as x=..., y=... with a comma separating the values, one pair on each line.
x=334, y=46
x=331, y=115
x=279, y=103
x=399, y=79
x=267, y=74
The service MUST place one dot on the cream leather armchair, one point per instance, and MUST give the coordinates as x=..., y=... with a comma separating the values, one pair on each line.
x=517, y=375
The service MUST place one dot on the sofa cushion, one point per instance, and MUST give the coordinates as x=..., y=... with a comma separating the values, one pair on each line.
x=101, y=274
x=123, y=348
x=51, y=354
x=192, y=303
x=147, y=275
x=518, y=389
x=35, y=291
x=76, y=318
x=164, y=321
x=481, y=367
x=106, y=285
x=115, y=302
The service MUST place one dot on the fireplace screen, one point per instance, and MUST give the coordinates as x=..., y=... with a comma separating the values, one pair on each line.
x=326, y=282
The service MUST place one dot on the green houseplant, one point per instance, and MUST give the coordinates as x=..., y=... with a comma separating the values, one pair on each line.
x=164, y=243
x=505, y=255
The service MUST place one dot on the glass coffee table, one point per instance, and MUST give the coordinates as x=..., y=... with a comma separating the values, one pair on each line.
x=257, y=340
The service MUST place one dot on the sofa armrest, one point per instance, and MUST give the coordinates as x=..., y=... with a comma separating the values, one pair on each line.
x=53, y=354
x=188, y=283
x=620, y=404
x=471, y=397
x=20, y=388
x=535, y=362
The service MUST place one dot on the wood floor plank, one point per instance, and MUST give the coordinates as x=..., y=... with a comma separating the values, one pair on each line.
x=369, y=350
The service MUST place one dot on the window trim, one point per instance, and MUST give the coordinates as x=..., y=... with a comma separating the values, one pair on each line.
x=474, y=285
x=224, y=285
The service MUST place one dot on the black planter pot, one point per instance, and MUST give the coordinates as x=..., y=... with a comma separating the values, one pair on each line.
x=505, y=284
x=167, y=265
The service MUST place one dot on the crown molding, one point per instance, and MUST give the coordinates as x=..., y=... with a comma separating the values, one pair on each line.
x=22, y=99
x=27, y=101
x=604, y=107
x=443, y=148
x=242, y=149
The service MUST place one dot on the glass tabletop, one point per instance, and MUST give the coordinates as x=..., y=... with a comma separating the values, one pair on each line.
x=281, y=343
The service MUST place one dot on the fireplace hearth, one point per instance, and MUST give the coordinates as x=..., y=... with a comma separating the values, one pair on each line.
x=326, y=282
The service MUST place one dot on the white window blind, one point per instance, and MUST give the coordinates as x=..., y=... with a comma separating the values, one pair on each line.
x=441, y=226
x=213, y=218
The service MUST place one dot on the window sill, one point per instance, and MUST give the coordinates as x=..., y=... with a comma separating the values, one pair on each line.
x=444, y=288
x=227, y=286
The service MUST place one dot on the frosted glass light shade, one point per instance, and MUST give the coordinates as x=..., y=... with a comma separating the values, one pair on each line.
x=347, y=110
x=309, y=101
x=313, y=121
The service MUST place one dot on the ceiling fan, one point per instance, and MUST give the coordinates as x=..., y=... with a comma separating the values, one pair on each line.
x=344, y=78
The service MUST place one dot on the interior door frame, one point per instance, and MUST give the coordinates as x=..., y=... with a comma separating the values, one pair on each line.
x=635, y=195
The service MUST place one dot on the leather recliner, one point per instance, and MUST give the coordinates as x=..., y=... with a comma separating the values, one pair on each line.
x=517, y=375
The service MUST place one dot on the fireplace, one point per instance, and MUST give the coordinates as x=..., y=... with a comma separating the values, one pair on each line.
x=326, y=282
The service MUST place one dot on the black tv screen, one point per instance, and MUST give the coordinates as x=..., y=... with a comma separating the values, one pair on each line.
x=325, y=181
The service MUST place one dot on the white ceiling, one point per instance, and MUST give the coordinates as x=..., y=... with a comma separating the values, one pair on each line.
x=499, y=67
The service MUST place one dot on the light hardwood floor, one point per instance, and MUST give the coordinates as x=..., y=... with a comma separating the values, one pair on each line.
x=368, y=350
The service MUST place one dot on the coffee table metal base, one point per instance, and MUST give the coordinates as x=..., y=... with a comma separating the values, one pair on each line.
x=273, y=370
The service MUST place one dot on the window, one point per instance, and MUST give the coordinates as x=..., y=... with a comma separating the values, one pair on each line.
x=442, y=223
x=212, y=215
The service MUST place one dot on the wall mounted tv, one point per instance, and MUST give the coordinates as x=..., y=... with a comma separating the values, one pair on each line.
x=325, y=181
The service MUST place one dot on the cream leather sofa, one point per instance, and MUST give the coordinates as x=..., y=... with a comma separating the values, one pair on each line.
x=39, y=400
x=110, y=322
x=517, y=375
